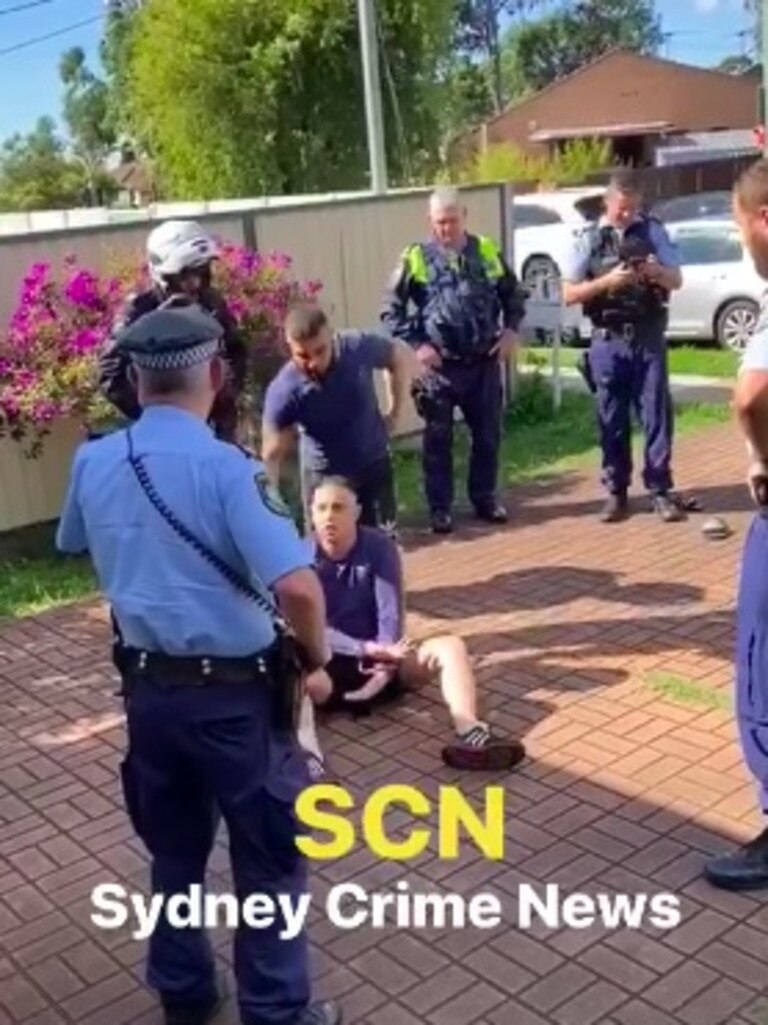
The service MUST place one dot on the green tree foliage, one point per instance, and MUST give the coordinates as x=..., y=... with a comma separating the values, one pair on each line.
x=250, y=97
x=479, y=33
x=35, y=173
x=545, y=50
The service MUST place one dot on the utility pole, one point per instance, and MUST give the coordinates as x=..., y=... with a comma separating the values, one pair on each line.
x=374, y=120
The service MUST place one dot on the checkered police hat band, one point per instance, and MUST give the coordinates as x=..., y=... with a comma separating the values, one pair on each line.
x=178, y=360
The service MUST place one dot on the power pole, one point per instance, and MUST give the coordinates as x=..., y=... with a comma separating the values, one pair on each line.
x=373, y=114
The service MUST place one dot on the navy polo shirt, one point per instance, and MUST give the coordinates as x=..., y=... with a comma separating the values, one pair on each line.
x=341, y=426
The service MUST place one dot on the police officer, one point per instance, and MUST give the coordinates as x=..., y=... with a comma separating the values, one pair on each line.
x=458, y=304
x=621, y=271
x=180, y=255
x=747, y=867
x=189, y=543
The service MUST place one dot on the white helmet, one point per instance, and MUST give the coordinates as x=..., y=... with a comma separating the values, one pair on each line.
x=175, y=246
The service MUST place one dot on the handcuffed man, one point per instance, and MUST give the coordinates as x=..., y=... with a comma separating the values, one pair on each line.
x=361, y=574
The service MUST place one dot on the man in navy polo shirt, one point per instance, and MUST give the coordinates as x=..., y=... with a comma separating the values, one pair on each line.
x=326, y=393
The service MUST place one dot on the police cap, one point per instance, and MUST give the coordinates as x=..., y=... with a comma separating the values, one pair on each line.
x=173, y=338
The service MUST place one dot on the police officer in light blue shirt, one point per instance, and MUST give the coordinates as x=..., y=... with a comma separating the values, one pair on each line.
x=747, y=867
x=190, y=546
x=622, y=271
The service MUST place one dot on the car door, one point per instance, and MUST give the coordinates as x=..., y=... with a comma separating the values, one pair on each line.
x=709, y=253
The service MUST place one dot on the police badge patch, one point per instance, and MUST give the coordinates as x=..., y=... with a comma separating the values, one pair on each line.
x=270, y=496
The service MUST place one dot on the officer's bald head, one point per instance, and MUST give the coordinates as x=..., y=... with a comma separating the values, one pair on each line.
x=448, y=216
x=750, y=208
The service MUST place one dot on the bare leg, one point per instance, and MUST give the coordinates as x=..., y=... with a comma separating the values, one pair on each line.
x=307, y=736
x=447, y=659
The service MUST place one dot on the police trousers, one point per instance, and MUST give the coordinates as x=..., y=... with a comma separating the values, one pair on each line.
x=476, y=390
x=631, y=376
x=197, y=753
x=375, y=489
x=752, y=655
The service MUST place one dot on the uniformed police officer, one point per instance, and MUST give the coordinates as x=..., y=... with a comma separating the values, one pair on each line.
x=180, y=255
x=621, y=271
x=747, y=868
x=188, y=544
x=455, y=300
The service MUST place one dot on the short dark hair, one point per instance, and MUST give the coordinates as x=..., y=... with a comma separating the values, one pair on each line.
x=751, y=186
x=625, y=181
x=336, y=481
x=304, y=321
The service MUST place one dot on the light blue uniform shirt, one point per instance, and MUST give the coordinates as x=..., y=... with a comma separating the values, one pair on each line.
x=575, y=262
x=165, y=596
x=755, y=355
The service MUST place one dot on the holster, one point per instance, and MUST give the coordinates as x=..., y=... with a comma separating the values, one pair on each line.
x=287, y=675
x=584, y=366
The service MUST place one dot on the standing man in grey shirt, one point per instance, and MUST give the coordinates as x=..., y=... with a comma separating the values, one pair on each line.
x=747, y=868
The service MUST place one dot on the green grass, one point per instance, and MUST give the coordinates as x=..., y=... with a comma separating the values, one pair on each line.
x=688, y=692
x=683, y=359
x=537, y=443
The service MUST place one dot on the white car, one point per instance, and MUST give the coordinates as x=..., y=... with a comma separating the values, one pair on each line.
x=544, y=225
x=721, y=289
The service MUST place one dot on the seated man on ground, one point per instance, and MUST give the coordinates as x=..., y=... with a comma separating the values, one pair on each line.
x=361, y=573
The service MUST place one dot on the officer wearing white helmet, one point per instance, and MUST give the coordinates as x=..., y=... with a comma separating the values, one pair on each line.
x=179, y=255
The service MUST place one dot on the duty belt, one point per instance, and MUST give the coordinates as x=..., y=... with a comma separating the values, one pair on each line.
x=192, y=670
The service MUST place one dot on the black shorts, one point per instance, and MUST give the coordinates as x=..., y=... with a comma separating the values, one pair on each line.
x=347, y=675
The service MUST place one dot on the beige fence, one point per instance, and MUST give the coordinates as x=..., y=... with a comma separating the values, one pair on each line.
x=351, y=245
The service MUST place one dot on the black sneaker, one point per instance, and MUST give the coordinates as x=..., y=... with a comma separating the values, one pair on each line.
x=183, y=1013
x=323, y=1013
x=745, y=869
x=668, y=508
x=492, y=513
x=616, y=508
x=479, y=750
x=441, y=523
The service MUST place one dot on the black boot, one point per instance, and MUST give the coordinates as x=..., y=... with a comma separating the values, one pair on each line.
x=183, y=1013
x=441, y=523
x=745, y=869
x=492, y=513
x=668, y=508
x=616, y=508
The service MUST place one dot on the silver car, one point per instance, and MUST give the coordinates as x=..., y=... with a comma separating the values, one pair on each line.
x=721, y=289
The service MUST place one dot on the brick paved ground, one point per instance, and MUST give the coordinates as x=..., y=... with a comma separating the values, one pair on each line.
x=571, y=623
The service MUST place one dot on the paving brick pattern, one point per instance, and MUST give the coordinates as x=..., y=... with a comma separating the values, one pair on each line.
x=570, y=623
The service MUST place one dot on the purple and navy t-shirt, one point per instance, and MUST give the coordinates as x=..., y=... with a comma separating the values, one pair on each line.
x=364, y=590
x=342, y=429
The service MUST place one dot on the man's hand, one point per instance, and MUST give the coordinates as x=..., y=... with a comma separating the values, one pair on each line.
x=377, y=681
x=507, y=345
x=390, y=421
x=620, y=277
x=428, y=357
x=757, y=478
x=391, y=654
x=319, y=686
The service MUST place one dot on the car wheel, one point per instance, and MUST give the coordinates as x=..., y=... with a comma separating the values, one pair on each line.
x=541, y=276
x=735, y=324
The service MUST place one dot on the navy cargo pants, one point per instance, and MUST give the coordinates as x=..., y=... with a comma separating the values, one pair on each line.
x=476, y=390
x=630, y=375
x=752, y=655
x=195, y=753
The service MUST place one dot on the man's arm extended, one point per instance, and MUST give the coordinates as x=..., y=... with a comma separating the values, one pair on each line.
x=276, y=445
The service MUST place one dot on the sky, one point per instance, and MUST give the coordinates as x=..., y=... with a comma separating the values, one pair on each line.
x=700, y=32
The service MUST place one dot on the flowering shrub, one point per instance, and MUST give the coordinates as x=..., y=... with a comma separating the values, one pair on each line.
x=49, y=355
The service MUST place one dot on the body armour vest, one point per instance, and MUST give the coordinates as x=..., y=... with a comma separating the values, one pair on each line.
x=635, y=303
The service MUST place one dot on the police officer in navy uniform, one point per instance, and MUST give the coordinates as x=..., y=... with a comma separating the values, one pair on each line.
x=622, y=271
x=180, y=255
x=455, y=300
x=204, y=569
x=747, y=867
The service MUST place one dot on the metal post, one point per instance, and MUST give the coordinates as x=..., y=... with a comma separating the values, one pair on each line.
x=373, y=115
